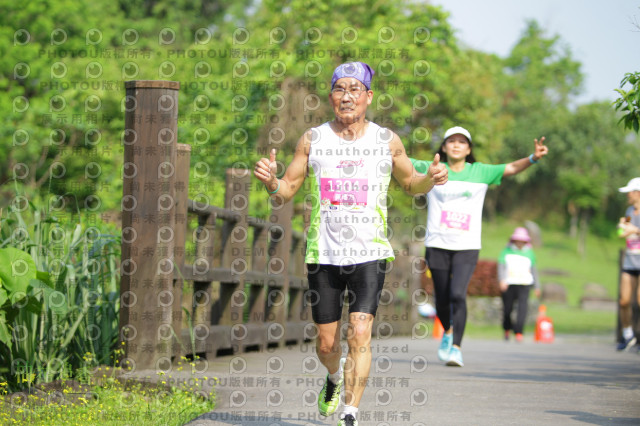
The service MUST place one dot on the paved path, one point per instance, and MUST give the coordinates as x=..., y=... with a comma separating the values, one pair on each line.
x=575, y=380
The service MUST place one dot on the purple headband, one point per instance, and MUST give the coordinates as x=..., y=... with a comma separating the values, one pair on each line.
x=358, y=70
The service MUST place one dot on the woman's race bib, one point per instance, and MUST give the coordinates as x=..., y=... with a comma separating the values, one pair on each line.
x=455, y=221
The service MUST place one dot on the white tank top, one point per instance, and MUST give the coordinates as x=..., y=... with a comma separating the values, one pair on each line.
x=350, y=180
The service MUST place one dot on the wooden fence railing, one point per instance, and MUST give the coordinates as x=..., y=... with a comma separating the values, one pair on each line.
x=247, y=275
x=242, y=281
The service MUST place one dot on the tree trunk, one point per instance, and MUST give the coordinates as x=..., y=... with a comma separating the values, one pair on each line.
x=582, y=239
x=573, y=224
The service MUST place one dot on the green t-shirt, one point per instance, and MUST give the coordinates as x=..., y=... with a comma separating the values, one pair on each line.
x=454, y=220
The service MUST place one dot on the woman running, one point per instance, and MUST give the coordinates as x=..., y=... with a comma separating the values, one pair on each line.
x=454, y=223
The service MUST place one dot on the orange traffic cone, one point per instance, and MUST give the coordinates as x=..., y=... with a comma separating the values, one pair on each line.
x=438, y=329
x=544, y=326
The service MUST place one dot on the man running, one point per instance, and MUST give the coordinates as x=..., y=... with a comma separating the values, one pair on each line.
x=350, y=161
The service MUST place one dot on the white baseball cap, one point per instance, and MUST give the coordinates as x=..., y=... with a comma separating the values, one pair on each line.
x=457, y=130
x=633, y=185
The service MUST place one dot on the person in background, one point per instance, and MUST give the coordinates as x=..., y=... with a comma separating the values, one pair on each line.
x=454, y=227
x=517, y=274
x=629, y=229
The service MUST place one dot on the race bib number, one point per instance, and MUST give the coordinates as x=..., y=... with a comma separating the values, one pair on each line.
x=342, y=192
x=455, y=220
x=633, y=246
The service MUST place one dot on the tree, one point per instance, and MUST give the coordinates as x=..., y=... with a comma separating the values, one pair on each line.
x=595, y=157
x=629, y=101
x=537, y=81
x=255, y=76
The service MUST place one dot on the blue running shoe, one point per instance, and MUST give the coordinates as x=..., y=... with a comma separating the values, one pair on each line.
x=626, y=344
x=445, y=346
x=455, y=358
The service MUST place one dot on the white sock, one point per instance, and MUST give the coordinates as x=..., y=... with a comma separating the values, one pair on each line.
x=349, y=409
x=627, y=333
x=335, y=377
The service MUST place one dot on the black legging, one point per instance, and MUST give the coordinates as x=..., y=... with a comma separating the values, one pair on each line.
x=451, y=271
x=520, y=293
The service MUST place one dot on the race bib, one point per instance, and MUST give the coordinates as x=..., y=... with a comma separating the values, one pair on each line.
x=455, y=220
x=343, y=192
x=633, y=246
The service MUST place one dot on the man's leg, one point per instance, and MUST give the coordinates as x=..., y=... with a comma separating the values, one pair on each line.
x=325, y=281
x=356, y=370
x=626, y=290
x=625, y=299
x=329, y=351
x=635, y=280
x=626, y=287
x=365, y=285
x=328, y=346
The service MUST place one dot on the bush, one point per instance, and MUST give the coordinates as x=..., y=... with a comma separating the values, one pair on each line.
x=59, y=297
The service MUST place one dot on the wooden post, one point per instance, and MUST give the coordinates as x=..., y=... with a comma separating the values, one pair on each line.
x=257, y=295
x=183, y=161
x=202, y=300
x=234, y=246
x=148, y=222
x=278, y=265
x=296, y=291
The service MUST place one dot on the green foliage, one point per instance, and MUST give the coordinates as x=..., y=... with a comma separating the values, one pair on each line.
x=17, y=270
x=541, y=75
x=254, y=76
x=629, y=101
x=589, y=155
x=59, y=294
x=62, y=75
x=108, y=400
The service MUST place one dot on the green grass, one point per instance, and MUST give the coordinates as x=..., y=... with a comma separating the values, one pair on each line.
x=559, y=252
x=566, y=320
x=110, y=402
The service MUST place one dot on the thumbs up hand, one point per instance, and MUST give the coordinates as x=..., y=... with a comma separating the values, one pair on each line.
x=266, y=169
x=437, y=171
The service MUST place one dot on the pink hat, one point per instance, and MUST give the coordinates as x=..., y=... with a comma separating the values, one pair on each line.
x=520, y=234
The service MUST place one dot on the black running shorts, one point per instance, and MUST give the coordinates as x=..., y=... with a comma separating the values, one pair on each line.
x=362, y=283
